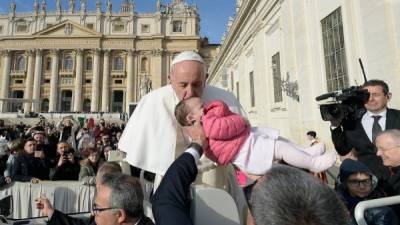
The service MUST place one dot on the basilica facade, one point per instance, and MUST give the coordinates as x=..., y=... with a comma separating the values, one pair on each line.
x=76, y=60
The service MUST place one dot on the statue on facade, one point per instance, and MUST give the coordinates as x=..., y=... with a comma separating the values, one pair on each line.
x=109, y=6
x=158, y=5
x=145, y=86
x=58, y=5
x=83, y=5
x=44, y=6
x=71, y=6
x=13, y=7
x=36, y=7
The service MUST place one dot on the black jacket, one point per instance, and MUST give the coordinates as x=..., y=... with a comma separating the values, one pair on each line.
x=26, y=166
x=356, y=137
x=171, y=203
x=67, y=171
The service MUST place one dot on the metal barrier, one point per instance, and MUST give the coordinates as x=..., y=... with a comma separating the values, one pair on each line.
x=364, y=205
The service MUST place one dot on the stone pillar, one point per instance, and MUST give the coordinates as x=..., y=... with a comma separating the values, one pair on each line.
x=5, y=79
x=130, y=81
x=78, y=81
x=157, y=70
x=37, y=81
x=106, y=80
x=29, y=81
x=94, y=107
x=54, y=81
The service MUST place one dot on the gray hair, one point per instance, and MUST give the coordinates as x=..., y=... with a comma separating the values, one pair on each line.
x=126, y=194
x=393, y=133
x=286, y=196
x=108, y=168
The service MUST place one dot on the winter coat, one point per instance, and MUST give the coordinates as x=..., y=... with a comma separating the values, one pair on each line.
x=225, y=130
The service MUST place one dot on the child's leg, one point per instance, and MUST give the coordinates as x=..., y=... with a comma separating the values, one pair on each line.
x=316, y=149
x=296, y=157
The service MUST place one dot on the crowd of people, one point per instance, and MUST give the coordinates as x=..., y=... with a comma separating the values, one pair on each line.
x=65, y=150
x=217, y=126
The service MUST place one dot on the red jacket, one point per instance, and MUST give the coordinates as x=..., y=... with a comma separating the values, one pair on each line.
x=225, y=130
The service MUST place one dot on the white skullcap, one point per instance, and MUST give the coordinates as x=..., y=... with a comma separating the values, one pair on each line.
x=187, y=56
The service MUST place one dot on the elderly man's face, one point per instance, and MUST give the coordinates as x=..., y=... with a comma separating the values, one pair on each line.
x=388, y=150
x=188, y=79
x=106, y=216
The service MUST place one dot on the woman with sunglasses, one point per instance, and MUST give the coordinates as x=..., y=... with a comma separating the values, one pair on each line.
x=357, y=184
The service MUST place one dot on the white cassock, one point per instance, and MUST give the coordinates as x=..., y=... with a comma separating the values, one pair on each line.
x=149, y=138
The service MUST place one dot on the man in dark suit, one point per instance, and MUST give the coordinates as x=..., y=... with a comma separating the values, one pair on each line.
x=361, y=136
x=171, y=203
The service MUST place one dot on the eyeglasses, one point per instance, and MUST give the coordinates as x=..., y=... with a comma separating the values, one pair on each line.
x=96, y=210
x=358, y=183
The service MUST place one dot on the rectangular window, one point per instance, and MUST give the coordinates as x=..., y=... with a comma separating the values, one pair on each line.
x=119, y=27
x=89, y=26
x=1, y=29
x=237, y=91
x=19, y=81
x=88, y=81
x=232, y=82
x=177, y=26
x=145, y=28
x=276, y=76
x=334, y=51
x=22, y=28
x=47, y=81
x=252, y=94
x=117, y=81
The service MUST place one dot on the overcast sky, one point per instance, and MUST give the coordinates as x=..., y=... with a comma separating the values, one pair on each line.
x=213, y=13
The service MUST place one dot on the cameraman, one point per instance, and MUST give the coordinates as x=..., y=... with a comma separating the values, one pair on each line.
x=361, y=135
x=67, y=167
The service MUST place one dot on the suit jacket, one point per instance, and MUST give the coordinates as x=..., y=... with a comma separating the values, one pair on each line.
x=347, y=138
x=171, y=203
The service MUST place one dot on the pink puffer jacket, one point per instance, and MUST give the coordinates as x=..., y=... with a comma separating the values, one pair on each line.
x=225, y=130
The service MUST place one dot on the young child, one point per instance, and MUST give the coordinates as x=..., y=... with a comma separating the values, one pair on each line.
x=251, y=149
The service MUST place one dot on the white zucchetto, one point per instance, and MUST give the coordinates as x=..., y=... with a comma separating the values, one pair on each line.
x=187, y=56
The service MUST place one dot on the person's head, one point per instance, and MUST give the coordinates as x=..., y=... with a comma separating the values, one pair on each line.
x=15, y=146
x=388, y=147
x=356, y=178
x=62, y=147
x=379, y=95
x=189, y=110
x=105, y=139
x=188, y=75
x=107, y=168
x=30, y=146
x=106, y=151
x=120, y=199
x=118, y=135
x=286, y=196
x=39, y=137
x=102, y=122
x=92, y=154
x=311, y=135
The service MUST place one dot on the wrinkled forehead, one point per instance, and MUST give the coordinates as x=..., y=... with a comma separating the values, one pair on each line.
x=188, y=66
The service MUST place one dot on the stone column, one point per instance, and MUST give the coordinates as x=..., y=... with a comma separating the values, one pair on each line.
x=37, y=81
x=29, y=81
x=157, y=70
x=106, y=80
x=54, y=81
x=130, y=81
x=5, y=79
x=78, y=81
x=94, y=107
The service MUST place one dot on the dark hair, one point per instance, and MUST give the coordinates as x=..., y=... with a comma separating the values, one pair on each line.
x=375, y=82
x=286, y=196
x=312, y=133
x=181, y=111
x=86, y=152
x=126, y=194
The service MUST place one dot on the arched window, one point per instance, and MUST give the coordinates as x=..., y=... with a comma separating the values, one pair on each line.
x=68, y=63
x=45, y=105
x=86, y=105
x=89, y=64
x=48, y=64
x=118, y=63
x=20, y=63
x=144, y=64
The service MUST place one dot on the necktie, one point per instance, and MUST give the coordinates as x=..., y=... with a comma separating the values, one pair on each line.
x=376, y=127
